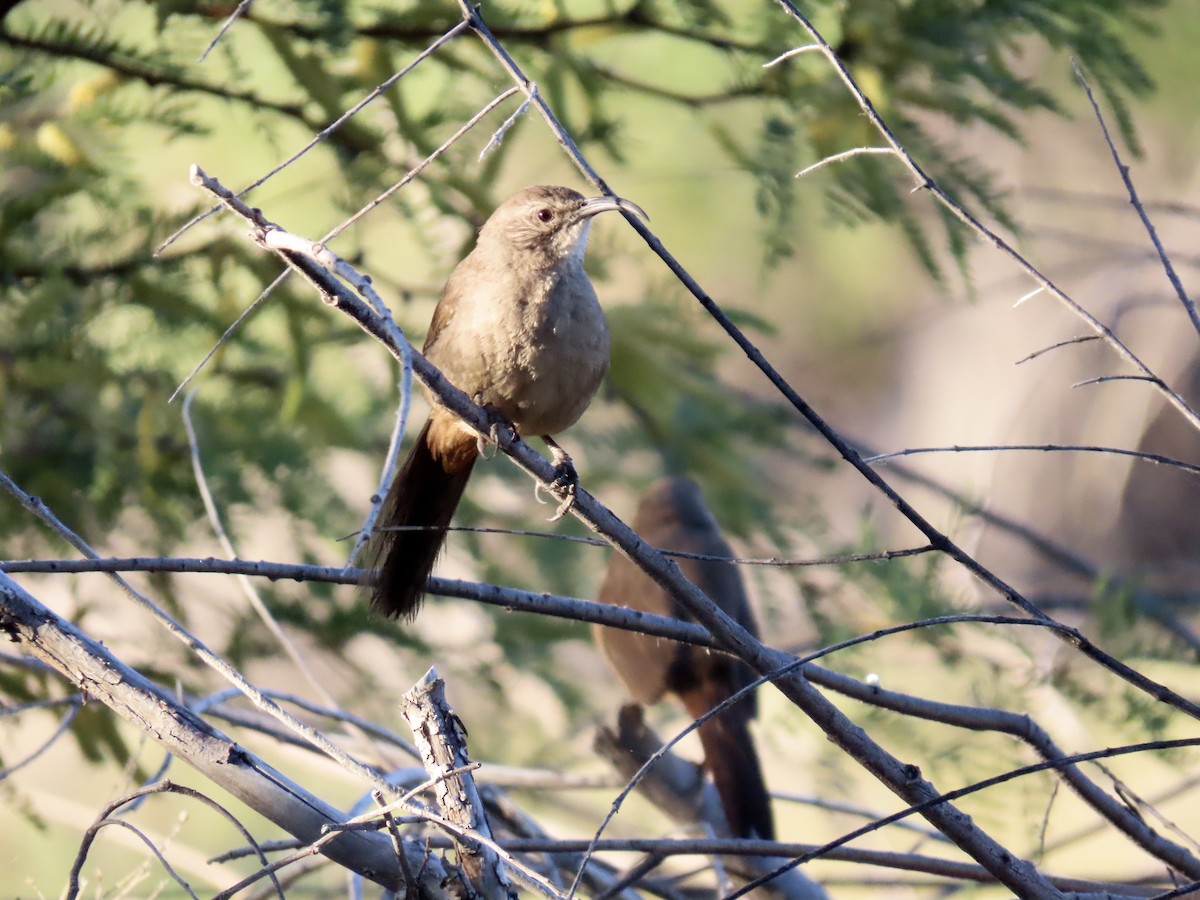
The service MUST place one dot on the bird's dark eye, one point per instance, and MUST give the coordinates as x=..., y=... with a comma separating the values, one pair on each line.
x=544, y=215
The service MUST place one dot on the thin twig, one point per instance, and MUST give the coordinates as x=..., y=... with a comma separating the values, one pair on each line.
x=1101, y=379
x=222, y=536
x=215, y=702
x=228, y=333
x=1024, y=298
x=323, y=134
x=845, y=154
x=1079, y=339
x=390, y=460
x=1189, y=305
x=73, y=886
x=406, y=371
x=766, y=561
x=162, y=787
x=423, y=164
x=975, y=788
x=238, y=11
x=795, y=51
x=76, y=703
x=498, y=136
x=341, y=575
x=1157, y=458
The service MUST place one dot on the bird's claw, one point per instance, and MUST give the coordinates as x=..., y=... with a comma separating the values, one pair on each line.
x=566, y=482
x=565, y=506
x=496, y=422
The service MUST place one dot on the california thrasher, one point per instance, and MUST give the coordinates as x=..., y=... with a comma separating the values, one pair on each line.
x=672, y=516
x=518, y=327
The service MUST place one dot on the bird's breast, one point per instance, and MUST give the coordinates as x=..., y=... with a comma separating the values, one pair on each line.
x=536, y=351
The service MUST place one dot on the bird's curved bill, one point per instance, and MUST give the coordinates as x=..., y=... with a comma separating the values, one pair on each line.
x=595, y=205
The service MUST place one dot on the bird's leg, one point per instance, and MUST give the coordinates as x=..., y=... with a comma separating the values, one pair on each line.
x=496, y=421
x=566, y=479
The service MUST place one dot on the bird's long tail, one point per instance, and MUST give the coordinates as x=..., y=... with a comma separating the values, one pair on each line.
x=729, y=754
x=417, y=512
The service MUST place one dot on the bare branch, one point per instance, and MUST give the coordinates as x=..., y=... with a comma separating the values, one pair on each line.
x=406, y=371
x=1156, y=458
x=423, y=164
x=105, y=818
x=324, y=133
x=103, y=677
x=795, y=51
x=498, y=136
x=1189, y=305
x=176, y=630
x=441, y=740
x=229, y=332
x=248, y=589
x=976, y=788
x=238, y=11
x=1025, y=729
x=1080, y=339
x=845, y=154
x=1103, y=378
x=73, y=886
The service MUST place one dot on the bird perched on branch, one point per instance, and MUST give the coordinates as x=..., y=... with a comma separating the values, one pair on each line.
x=671, y=515
x=518, y=328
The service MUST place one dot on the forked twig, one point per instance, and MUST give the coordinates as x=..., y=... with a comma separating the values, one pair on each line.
x=1156, y=458
x=162, y=787
x=1189, y=305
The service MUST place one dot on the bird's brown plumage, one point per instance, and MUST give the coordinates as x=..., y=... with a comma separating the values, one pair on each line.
x=519, y=328
x=672, y=515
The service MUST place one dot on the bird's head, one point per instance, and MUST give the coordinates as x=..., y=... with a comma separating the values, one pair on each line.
x=549, y=220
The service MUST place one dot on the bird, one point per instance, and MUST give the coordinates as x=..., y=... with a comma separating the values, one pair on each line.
x=672, y=515
x=518, y=327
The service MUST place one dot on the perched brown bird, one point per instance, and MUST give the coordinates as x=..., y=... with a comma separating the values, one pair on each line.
x=518, y=327
x=672, y=516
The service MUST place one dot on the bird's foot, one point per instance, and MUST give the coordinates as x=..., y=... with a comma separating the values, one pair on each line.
x=497, y=424
x=565, y=483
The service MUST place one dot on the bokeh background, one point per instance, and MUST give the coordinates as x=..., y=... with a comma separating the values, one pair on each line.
x=901, y=329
